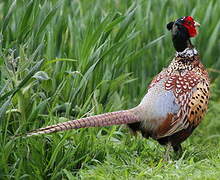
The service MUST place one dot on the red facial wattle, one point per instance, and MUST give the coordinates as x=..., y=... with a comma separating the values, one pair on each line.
x=189, y=23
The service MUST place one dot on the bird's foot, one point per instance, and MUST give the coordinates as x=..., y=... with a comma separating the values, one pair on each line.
x=178, y=151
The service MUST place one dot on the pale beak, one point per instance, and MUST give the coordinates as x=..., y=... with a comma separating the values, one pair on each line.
x=196, y=24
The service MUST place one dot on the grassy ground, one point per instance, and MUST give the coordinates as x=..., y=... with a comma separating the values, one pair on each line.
x=63, y=60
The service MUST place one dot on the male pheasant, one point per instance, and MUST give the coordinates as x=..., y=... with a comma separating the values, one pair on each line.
x=175, y=102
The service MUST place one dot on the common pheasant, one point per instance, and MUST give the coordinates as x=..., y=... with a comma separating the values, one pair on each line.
x=176, y=99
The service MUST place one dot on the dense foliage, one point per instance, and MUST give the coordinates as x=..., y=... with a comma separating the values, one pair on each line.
x=65, y=59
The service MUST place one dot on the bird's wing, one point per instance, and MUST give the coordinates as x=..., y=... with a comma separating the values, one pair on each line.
x=192, y=94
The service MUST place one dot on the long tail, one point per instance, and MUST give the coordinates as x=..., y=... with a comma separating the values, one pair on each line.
x=107, y=119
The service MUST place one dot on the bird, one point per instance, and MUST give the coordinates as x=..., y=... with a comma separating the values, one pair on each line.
x=175, y=102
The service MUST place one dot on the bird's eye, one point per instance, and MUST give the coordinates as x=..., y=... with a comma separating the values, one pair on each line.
x=190, y=23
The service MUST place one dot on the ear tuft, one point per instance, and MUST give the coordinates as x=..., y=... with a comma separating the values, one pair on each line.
x=170, y=25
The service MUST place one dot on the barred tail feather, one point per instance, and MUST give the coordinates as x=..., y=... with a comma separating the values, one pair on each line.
x=107, y=119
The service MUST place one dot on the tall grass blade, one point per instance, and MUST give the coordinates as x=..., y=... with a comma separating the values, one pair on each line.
x=8, y=16
x=4, y=108
x=47, y=19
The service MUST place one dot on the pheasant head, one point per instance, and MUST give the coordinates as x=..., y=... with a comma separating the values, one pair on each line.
x=182, y=30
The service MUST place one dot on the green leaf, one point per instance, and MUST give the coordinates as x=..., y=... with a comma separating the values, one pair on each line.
x=68, y=174
x=24, y=22
x=47, y=19
x=59, y=59
x=125, y=24
x=38, y=109
x=8, y=16
x=34, y=69
x=41, y=75
x=4, y=108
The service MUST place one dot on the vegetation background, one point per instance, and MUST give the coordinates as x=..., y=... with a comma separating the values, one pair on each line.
x=66, y=59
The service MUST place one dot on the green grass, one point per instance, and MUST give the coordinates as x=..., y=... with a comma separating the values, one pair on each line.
x=63, y=60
